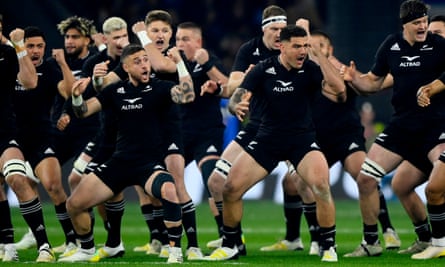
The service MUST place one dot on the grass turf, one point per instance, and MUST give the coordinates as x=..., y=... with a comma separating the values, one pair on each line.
x=263, y=225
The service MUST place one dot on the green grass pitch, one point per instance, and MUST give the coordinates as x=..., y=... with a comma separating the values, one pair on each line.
x=263, y=224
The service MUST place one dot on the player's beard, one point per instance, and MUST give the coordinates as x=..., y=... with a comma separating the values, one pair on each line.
x=75, y=53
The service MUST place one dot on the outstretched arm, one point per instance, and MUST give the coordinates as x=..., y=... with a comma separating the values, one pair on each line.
x=365, y=84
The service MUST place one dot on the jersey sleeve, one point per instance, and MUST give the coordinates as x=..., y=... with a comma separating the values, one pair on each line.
x=381, y=66
x=241, y=62
x=253, y=79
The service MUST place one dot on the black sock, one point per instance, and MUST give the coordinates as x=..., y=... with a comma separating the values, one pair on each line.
x=174, y=235
x=160, y=231
x=147, y=213
x=292, y=212
x=115, y=211
x=423, y=230
x=87, y=240
x=65, y=221
x=6, y=228
x=371, y=234
x=384, y=220
x=219, y=217
x=33, y=215
x=310, y=213
x=189, y=223
x=231, y=235
x=437, y=220
x=327, y=237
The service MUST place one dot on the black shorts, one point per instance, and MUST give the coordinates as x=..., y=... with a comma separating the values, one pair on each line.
x=172, y=140
x=7, y=140
x=37, y=147
x=413, y=140
x=118, y=174
x=337, y=147
x=102, y=153
x=246, y=135
x=199, y=145
x=268, y=151
x=71, y=144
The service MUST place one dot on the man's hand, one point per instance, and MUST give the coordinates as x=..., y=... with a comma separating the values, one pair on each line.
x=59, y=56
x=209, y=87
x=242, y=108
x=63, y=121
x=349, y=72
x=303, y=23
x=174, y=55
x=424, y=95
x=101, y=69
x=17, y=35
x=201, y=56
x=79, y=86
x=138, y=26
x=99, y=41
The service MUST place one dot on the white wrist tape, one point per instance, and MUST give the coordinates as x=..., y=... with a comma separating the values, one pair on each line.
x=9, y=43
x=182, y=70
x=77, y=100
x=19, y=43
x=22, y=54
x=143, y=37
x=98, y=81
x=101, y=47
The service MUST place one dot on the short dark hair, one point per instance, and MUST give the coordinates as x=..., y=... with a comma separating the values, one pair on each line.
x=438, y=18
x=130, y=50
x=272, y=11
x=156, y=15
x=33, y=31
x=292, y=31
x=413, y=9
x=321, y=33
x=190, y=26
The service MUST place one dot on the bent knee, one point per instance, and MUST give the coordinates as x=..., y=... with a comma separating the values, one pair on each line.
x=434, y=195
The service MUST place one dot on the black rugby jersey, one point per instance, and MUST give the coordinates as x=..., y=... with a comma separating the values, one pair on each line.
x=253, y=52
x=205, y=111
x=61, y=106
x=288, y=95
x=9, y=67
x=138, y=112
x=33, y=106
x=412, y=67
x=332, y=118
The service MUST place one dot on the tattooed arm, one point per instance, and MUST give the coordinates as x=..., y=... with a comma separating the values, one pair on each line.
x=239, y=103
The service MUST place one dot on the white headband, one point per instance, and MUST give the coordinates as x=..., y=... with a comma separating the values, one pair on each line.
x=266, y=22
